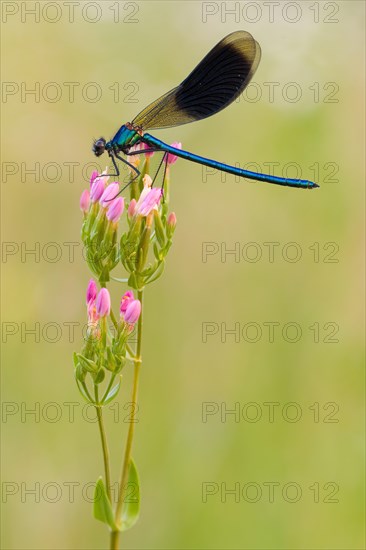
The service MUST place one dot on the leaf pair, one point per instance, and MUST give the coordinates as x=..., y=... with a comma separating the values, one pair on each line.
x=131, y=506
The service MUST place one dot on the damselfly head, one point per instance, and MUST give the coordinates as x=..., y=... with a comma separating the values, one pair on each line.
x=99, y=147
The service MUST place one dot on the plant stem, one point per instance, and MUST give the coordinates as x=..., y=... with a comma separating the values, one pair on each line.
x=114, y=320
x=114, y=540
x=105, y=449
x=127, y=456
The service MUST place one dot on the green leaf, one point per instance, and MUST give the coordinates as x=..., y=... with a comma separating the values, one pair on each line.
x=113, y=392
x=131, y=501
x=102, y=505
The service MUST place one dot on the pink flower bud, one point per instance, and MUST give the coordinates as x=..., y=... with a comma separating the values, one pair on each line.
x=85, y=201
x=125, y=300
x=115, y=209
x=92, y=177
x=149, y=200
x=103, y=303
x=91, y=291
x=132, y=312
x=97, y=189
x=110, y=193
x=169, y=157
x=172, y=220
x=131, y=208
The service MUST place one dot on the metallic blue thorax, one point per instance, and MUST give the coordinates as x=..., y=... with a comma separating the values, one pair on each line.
x=124, y=139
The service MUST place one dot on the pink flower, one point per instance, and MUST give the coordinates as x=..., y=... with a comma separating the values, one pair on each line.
x=97, y=189
x=110, y=193
x=92, y=177
x=91, y=292
x=99, y=177
x=85, y=201
x=144, y=193
x=125, y=300
x=131, y=208
x=115, y=209
x=149, y=199
x=103, y=303
x=149, y=155
x=132, y=312
x=92, y=315
x=169, y=157
x=172, y=220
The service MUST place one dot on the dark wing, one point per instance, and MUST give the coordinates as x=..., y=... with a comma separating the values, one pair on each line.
x=216, y=82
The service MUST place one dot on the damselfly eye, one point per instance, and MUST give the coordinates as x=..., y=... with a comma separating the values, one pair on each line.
x=99, y=147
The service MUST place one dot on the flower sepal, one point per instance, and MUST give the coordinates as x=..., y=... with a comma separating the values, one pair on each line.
x=80, y=373
x=99, y=376
x=134, y=281
x=159, y=229
x=115, y=361
x=157, y=252
x=156, y=274
x=87, y=364
x=99, y=226
x=143, y=246
x=103, y=275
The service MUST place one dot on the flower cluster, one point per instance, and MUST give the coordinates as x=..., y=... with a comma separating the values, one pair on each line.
x=106, y=342
x=102, y=208
x=149, y=225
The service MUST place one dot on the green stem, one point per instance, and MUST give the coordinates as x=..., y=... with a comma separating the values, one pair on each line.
x=114, y=540
x=114, y=320
x=103, y=437
x=127, y=456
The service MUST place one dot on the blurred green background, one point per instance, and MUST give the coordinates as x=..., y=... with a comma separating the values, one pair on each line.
x=142, y=49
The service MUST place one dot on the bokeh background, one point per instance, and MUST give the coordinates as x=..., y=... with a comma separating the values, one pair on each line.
x=141, y=50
